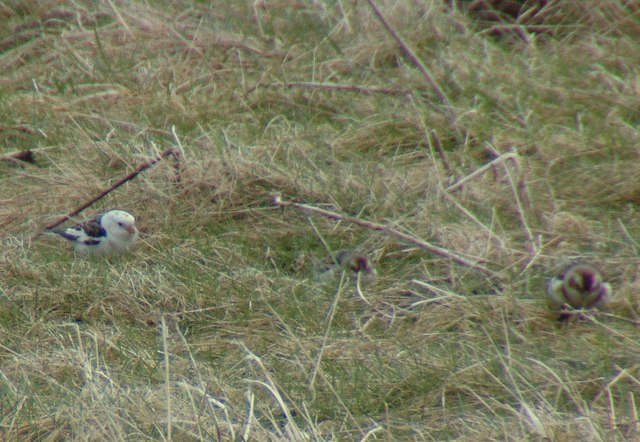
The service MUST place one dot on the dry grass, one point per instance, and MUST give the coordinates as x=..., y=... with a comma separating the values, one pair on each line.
x=218, y=328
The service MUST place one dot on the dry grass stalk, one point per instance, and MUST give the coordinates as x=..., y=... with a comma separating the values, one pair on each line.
x=432, y=349
x=333, y=86
x=509, y=156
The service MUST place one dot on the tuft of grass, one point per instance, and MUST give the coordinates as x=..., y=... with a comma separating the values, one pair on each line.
x=220, y=326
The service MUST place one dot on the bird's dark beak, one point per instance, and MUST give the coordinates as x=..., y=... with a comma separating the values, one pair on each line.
x=131, y=229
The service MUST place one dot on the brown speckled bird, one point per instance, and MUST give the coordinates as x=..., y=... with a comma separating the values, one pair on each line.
x=579, y=286
x=355, y=262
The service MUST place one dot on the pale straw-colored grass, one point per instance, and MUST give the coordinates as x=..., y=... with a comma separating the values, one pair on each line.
x=510, y=147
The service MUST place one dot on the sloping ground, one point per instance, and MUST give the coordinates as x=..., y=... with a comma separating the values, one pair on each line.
x=478, y=156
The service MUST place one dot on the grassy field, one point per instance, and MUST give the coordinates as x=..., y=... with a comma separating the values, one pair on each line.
x=511, y=146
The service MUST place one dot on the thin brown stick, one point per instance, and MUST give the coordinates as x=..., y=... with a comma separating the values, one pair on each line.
x=105, y=192
x=412, y=56
x=382, y=228
x=519, y=190
x=434, y=140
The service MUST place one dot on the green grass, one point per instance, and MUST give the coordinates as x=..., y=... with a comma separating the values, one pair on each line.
x=219, y=326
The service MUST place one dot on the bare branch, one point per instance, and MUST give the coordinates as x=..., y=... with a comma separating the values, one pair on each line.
x=434, y=140
x=412, y=56
x=382, y=228
x=105, y=192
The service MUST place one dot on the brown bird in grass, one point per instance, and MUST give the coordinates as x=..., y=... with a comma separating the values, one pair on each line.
x=349, y=261
x=579, y=286
x=355, y=262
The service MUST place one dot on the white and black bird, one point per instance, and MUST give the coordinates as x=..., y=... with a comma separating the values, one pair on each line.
x=579, y=286
x=109, y=233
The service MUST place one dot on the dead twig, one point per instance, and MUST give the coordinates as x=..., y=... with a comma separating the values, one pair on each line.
x=434, y=141
x=413, y=57
x=382, y=228
x=105, y=192
x=521, y=197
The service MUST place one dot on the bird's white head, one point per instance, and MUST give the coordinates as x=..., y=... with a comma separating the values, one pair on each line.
x=119, y=223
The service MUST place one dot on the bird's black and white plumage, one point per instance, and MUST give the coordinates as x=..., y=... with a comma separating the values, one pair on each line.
x=579, y=286
x=112, y=232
